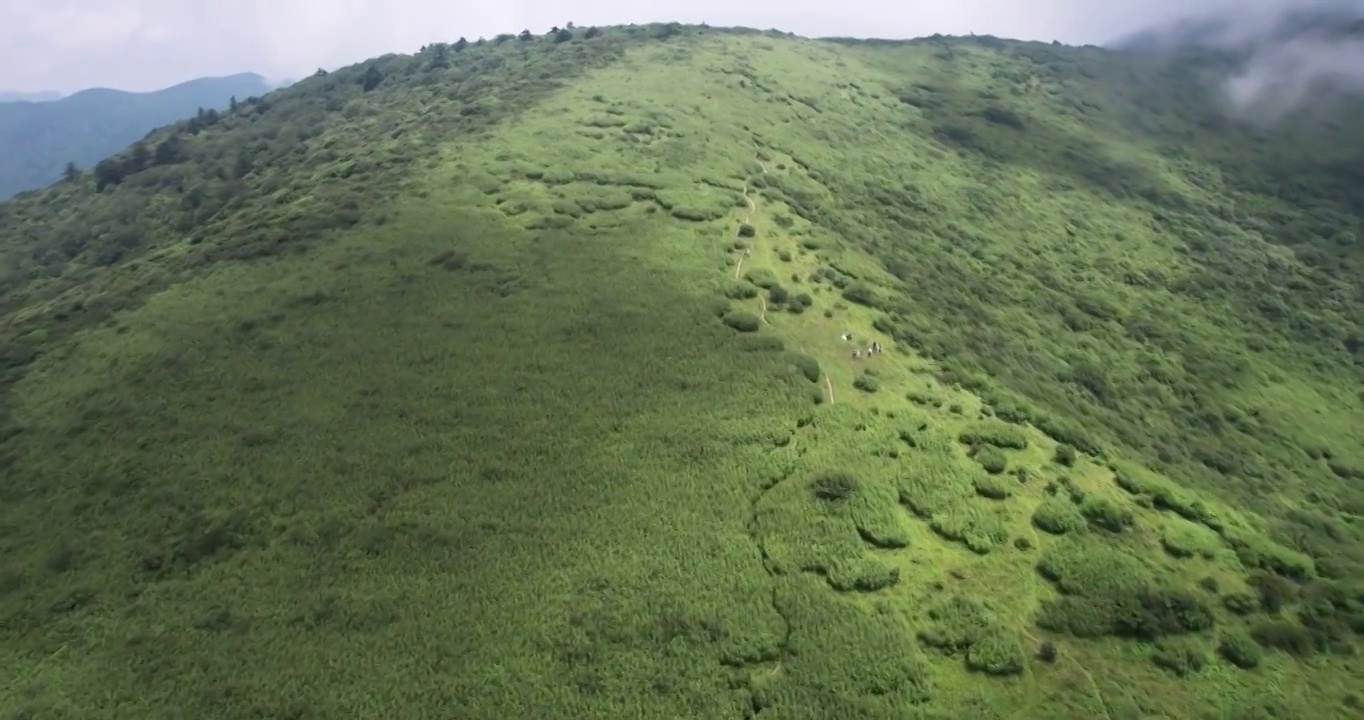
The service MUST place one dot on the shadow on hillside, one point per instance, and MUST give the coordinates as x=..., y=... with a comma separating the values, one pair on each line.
x=990, y=127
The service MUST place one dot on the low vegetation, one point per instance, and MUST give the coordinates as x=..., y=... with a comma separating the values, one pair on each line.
x=508, y=378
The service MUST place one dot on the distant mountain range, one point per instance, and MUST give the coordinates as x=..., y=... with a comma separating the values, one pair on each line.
x=17, y=96
x=38, y=136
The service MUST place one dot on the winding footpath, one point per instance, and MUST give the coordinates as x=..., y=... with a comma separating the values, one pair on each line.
x=739, y=268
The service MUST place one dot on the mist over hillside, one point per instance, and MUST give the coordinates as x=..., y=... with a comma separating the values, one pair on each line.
x=1275, y=59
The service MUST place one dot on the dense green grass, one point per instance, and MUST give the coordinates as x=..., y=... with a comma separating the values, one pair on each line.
x=508, y=382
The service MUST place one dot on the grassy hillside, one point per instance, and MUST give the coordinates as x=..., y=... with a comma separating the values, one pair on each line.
x=508, y=380
x=38, y=139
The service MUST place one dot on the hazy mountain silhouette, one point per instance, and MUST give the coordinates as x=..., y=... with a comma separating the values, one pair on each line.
x=38, y=139
x=18, y=96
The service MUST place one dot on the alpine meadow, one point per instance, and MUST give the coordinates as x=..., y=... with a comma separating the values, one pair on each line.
x=668, y=371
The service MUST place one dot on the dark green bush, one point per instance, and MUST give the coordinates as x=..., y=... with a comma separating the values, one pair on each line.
x=1240, y=650
x=992, y=460
x=1241, y=603
x=996, y=433
x=761, y=343
x=763, y=278
x=1106, y=514
x=1180, y=656
x=1065, y=455
x=778, y=295
x=832, y=487
x=1157, y=611
x=995, y=654
x=808, y=366
x=741, y=290
x=1282, y=635
x=747, y=231
x=742, y=321
x=1058, y=517
x=867, y=383
x=862, y=294
x=993, y=487
x=1272, y=591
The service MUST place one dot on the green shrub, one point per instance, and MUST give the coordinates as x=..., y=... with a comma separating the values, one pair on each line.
x=1240, y=650
x=833, y=487
x=1183, y=540
x=778, y=295
x=962, y=624
x=1241, y=603
x=695, y=214
x=1106, y=514
x=1065, y=455
x=784, y=255
x=742, y=321
x=993, y=487
x=808, y=366
x=741, y=290
x=747, y=231
x=1058, y=517
x=1180, y=656
x=992, y=460
x=866, y=574
x=1272, y=591
x=1283, y=635
x=763, y=278
x=995, y=433
x=995, y=654
x=761, y=343
x=862, y=294
x=961, y=522
x=1159, y=611
x=867, y=383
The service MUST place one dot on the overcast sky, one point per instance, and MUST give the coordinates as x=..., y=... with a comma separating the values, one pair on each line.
x=67, y=45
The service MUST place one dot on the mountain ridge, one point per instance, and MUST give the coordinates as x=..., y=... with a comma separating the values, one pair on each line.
x=511, y=375
x=40, y=138
x=20, y=96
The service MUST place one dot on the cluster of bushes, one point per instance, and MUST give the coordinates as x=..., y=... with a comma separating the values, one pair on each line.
x=1105, y=592
x=962, y=626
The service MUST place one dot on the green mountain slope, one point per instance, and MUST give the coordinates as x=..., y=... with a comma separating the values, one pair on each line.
x=508, y=380
x=38, y=139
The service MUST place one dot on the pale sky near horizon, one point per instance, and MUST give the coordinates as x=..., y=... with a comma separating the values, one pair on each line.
x=67, y=45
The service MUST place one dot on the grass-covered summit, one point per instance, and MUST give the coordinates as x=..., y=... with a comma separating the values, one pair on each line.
x=508, y=380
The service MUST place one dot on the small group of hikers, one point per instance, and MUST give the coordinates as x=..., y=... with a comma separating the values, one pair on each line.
x=873, y=349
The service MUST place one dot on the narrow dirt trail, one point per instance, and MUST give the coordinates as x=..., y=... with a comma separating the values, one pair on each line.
x=739, y=268
x=752, y=208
